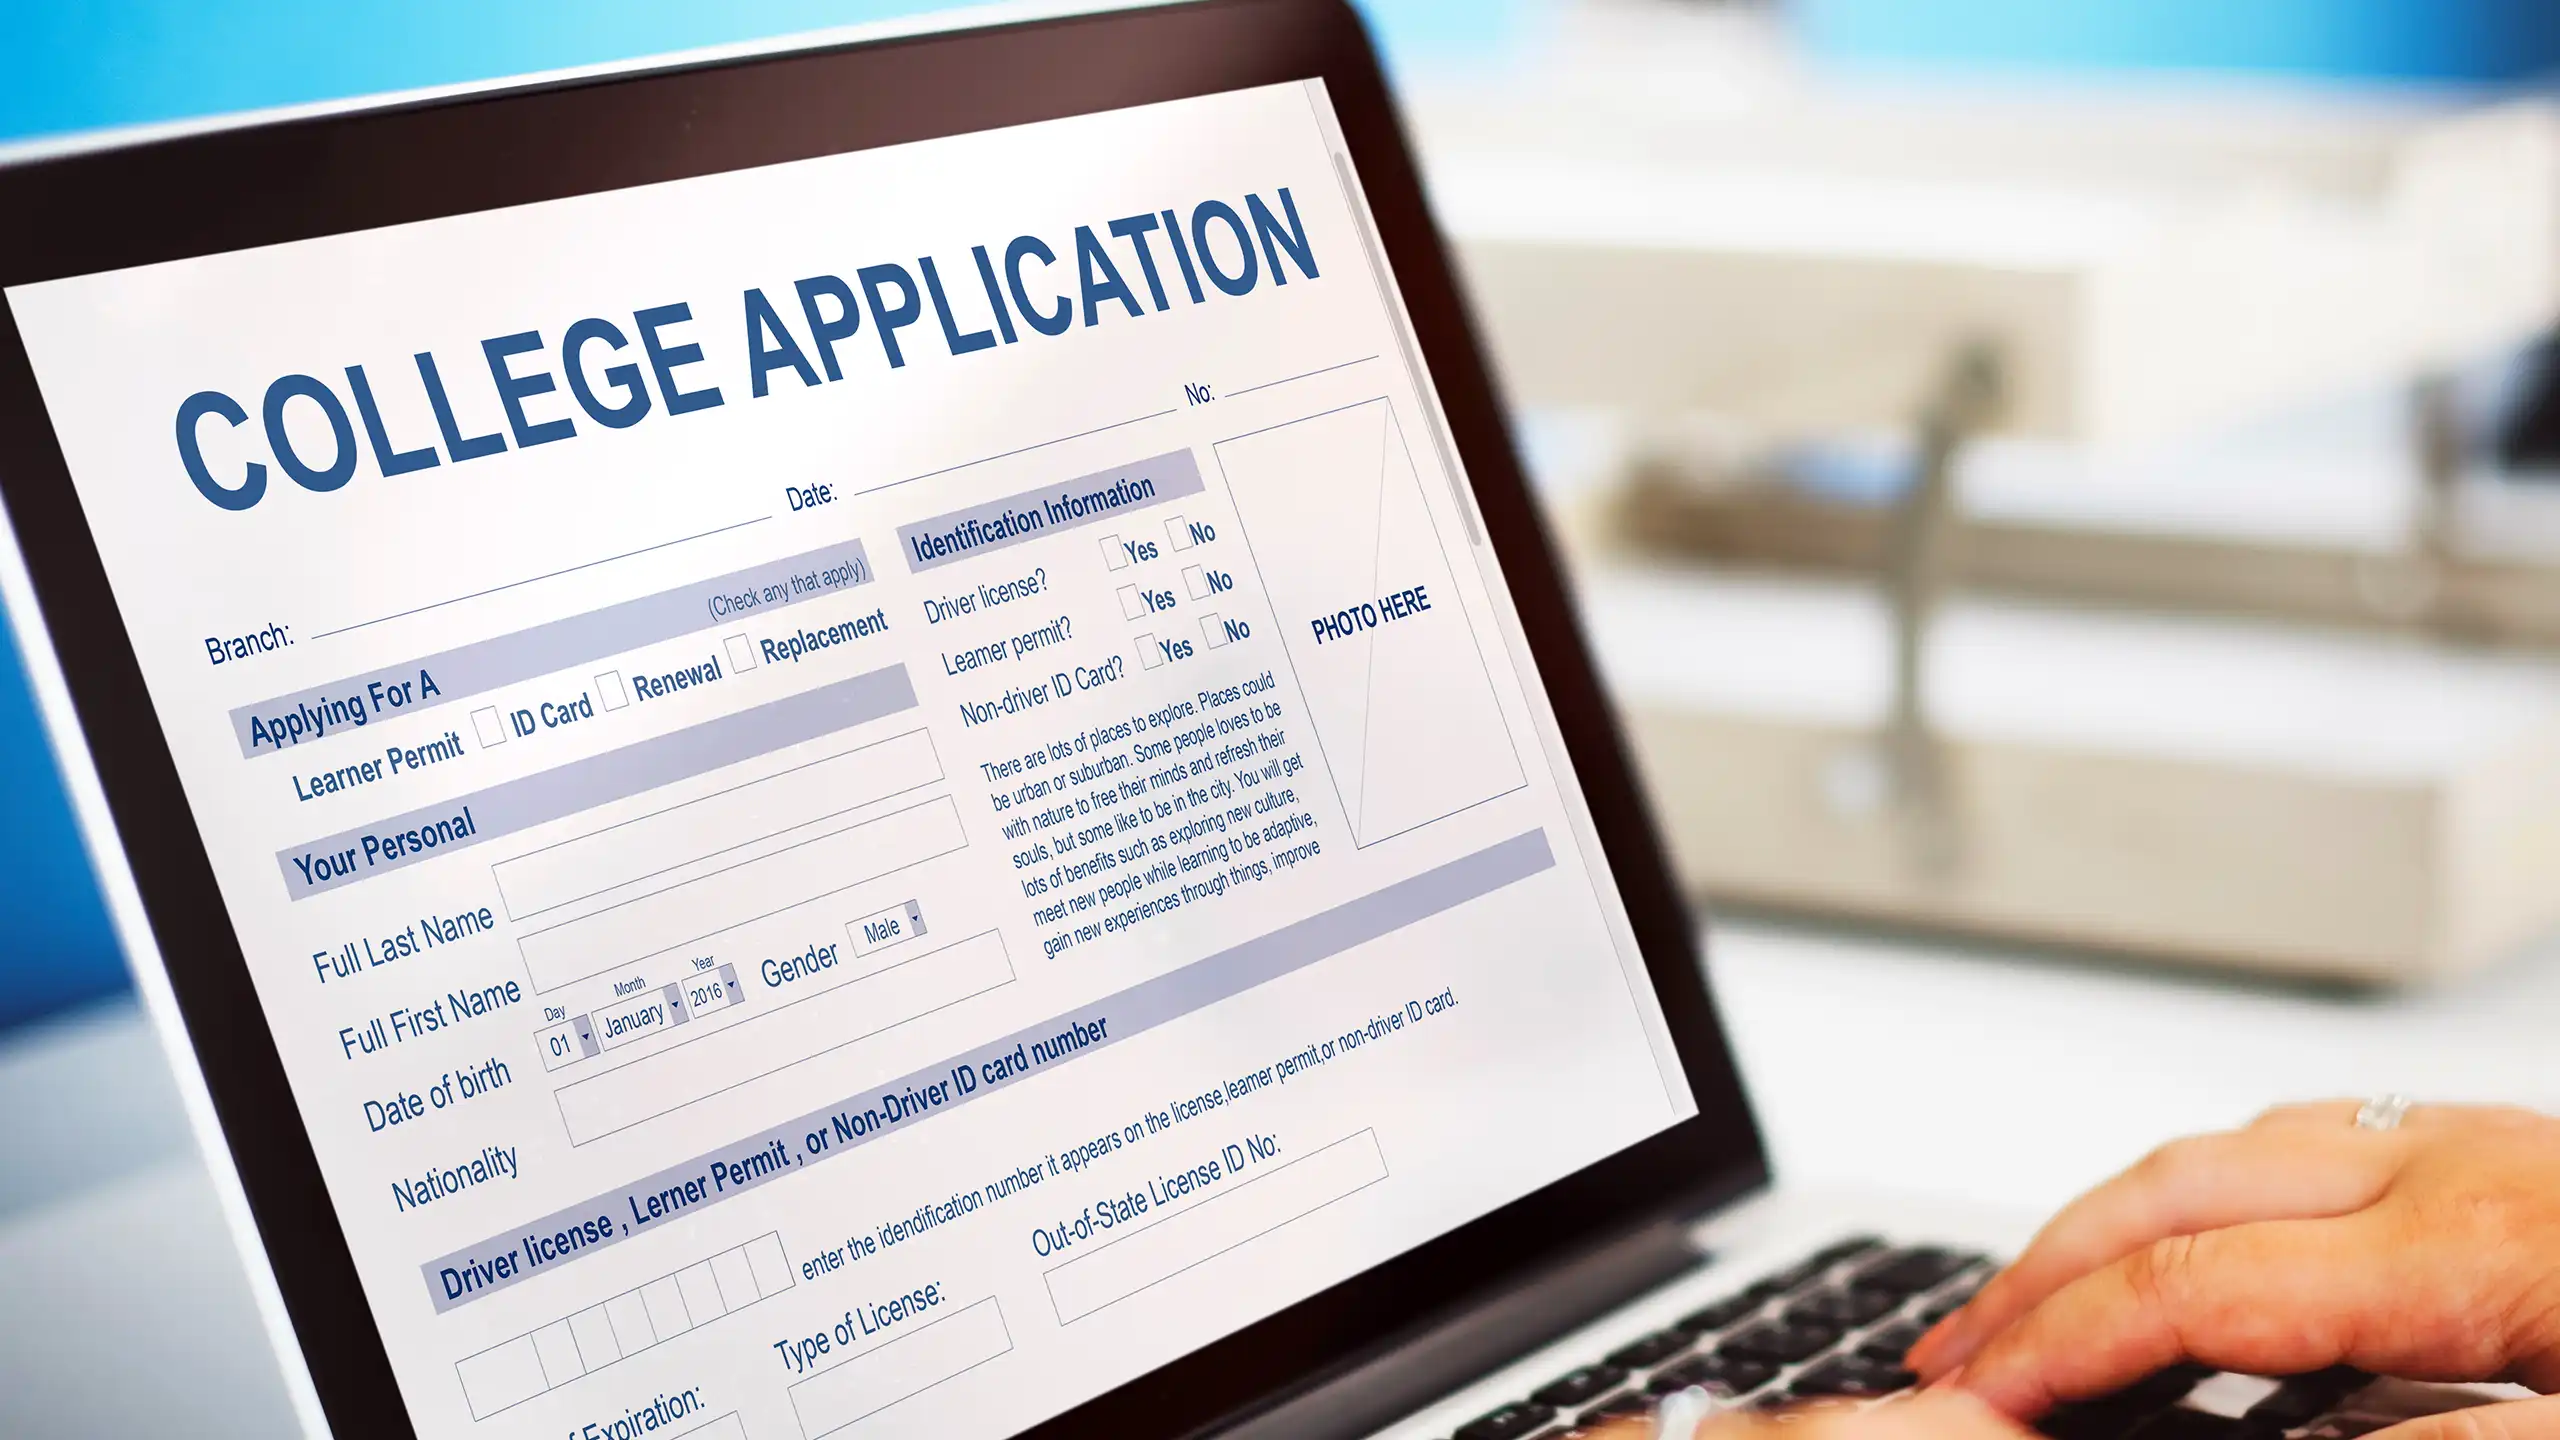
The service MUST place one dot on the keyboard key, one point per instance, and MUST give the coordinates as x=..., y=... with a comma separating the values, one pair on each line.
x=1742, y=1376
x=1680, y=1377
x=1843, y=1308
x=1908, y=1272
x=1833, y=1254
x=2112, y=1417
x=1630, y=1406
x=1515, y=1421
x=2116, y=1416
x=2229, y=1394
x=2089, y=1420
x=1780, y=1341
x=2346, y=1427
x=1814, y=1266
x=1652, y=1350
x=1948, y=1301
x=2178, y=1423
x=1715, y=1374
x=2300, y=1399
x=1849, y=1377
x=1581, y=1387
x=1723, y=1313
x=1893, y=1342
x=2163, y=1388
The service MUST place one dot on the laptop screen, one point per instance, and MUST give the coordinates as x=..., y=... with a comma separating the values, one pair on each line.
x=894, y=785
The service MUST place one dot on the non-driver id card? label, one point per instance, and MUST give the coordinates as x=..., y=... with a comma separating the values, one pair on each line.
x=869, y=796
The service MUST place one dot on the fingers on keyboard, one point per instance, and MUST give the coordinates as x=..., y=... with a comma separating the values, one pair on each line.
x=1843, y=1318
x=1833, y=1328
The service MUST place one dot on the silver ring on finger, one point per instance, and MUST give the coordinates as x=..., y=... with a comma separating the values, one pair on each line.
x=2382, y=1112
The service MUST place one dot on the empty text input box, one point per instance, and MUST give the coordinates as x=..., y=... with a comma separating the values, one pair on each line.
x=823, y=1020
x=715, y=824
x=1212, y=1227
x=698, y=910
x=901, y=1369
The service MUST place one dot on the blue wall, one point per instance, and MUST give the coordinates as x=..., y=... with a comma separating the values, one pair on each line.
x=76, y=64
x=55, y=948
x=2422, y=40
x=79, y=64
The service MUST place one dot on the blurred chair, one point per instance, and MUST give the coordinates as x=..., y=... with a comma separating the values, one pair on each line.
x=1970, y=553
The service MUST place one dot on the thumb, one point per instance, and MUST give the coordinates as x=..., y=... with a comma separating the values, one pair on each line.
x=2535, y=1419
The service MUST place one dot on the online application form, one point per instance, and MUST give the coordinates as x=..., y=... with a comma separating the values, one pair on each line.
x=868, y=796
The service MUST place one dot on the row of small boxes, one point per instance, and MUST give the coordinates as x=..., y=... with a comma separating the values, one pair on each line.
x=611, y=693
x=514, y=1371
x=1181, y=533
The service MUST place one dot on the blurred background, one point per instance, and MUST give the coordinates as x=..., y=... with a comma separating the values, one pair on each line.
x=2066, y=493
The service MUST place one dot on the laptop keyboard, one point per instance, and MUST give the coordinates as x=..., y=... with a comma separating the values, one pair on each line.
x=1834, y=1326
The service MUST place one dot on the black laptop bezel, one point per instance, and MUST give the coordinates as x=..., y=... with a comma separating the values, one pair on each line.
x=261, y=184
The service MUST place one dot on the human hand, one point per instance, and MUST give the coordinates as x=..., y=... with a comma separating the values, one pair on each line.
x=1944, y=1415
x=2430, y=1252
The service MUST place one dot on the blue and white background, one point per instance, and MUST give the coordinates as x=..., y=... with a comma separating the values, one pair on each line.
x=79, y=64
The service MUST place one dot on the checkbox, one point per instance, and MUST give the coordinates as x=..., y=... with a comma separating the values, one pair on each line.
x=1213, y=630
x=1114, y=555
x=489, y=725
x=1132, y=605
x=609, y=691
x=742, y=654
x=1150, y=654
x=1196, y=580
x=1177, y=531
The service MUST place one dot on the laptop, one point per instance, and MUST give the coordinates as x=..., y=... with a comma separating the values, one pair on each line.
x=874, y=739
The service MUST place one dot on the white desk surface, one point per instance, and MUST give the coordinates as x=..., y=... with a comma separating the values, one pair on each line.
x=1878, y=1062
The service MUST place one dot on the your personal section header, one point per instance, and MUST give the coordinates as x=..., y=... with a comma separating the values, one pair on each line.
x=323, y=426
